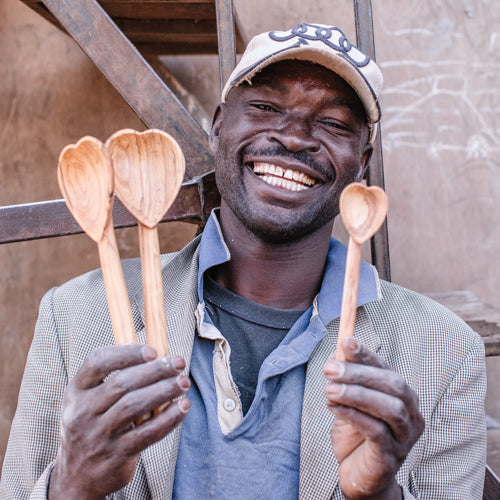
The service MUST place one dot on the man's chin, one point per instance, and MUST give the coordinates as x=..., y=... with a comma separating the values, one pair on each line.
x=283, y=225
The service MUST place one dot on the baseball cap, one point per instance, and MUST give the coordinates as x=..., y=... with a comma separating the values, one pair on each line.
x=321, y=44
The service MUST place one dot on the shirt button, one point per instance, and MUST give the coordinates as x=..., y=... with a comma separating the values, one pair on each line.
x=229, y=404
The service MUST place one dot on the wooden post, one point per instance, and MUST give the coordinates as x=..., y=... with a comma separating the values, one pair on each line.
x=365, y=41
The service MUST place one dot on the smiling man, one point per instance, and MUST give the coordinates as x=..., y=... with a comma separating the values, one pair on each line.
x=302, y=130
x=253, y=309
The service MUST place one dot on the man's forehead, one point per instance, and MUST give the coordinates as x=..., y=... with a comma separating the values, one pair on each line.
x=277, y=77
x=295, y=69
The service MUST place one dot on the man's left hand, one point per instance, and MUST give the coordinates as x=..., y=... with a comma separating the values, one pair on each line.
x=377, y=422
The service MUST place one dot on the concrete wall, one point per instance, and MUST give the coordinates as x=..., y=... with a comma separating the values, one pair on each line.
x=441, y=142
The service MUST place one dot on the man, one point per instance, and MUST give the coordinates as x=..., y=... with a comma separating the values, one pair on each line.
x=252, y=309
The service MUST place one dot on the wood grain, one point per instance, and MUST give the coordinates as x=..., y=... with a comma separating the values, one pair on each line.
x=85, y=178
x=154, y=307
x=148, y=168
x=349, y=295
x=363, y=210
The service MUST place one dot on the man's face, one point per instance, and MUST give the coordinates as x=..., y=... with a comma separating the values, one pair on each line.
x=286, y=146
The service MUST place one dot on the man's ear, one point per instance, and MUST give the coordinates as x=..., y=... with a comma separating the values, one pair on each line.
x=365, y=161
x=213, y=140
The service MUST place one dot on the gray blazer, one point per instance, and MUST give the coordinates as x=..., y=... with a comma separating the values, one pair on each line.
x=434, y=351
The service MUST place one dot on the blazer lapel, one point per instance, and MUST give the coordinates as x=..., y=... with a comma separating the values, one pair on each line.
x=318, y=465
x=180, y=274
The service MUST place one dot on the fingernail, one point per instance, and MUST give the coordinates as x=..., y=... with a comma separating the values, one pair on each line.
x=148, y=353
x=178, y=363
x=335, y=388
x=335, y=369
x=183, y=405
x=352, y=344
x=183, y=382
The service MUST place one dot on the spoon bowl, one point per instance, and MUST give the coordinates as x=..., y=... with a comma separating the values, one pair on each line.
x=363, y=210
x=85, y=177
x=149, y=168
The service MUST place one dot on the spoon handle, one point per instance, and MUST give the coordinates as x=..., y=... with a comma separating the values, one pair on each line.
x=116, y=291
x=349, y=295
x=154, y=306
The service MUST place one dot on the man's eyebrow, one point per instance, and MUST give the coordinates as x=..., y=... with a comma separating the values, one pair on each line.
x=276, y=85
x=341, y=101
x=270, y=83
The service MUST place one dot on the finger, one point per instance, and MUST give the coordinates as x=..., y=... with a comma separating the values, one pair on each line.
x=134, y=405
x=101, y=362
x=374, y=431
x=135, y=377
x=388, y=409
x=140, y=437
x=345, y=438
x=356, y=352
x=367, y=426
x=380, y=379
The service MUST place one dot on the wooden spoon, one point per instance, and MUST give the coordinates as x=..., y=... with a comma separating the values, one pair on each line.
x=149, y=169
x=363, y=210
x=85, y=179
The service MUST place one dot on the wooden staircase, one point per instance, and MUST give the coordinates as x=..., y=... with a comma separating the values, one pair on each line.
x=158, y=27
x=130, y=31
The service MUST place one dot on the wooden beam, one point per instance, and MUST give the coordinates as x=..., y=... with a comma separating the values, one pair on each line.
x=188, y=100
x=150, y=9
x=133, y=77
x=159, y=10
x=172, y=2
x=173, y=49
x=171, y=27
x=375, y=176
x=226, y=39
x=158, y=28
x=48, y=219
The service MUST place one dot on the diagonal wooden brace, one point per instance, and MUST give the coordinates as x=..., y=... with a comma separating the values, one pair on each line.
x=122, y=64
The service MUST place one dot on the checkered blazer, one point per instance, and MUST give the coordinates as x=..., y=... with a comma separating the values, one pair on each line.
x=435, y=352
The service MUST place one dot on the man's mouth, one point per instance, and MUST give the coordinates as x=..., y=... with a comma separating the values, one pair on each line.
x=284, y=178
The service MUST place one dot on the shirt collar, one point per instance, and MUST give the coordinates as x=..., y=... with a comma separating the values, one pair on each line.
x=329, y=299
x=213, y=248
x=214, y=251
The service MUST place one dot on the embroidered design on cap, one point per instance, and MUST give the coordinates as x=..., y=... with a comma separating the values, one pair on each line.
x=305, y=31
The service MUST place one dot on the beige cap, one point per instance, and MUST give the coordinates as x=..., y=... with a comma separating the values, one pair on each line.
x=321, y=44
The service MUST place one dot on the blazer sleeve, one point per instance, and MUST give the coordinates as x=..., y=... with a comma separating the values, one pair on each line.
x=453, y=463
x=34, y=437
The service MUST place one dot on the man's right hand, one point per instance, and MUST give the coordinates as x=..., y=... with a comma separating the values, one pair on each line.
x=100, y=441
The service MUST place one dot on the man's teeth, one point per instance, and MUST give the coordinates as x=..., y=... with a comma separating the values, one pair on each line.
x=283, y=177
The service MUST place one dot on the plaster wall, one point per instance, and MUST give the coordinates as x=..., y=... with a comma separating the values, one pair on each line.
x=440, y=131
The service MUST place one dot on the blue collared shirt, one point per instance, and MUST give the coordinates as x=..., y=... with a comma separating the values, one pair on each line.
x=226, y=455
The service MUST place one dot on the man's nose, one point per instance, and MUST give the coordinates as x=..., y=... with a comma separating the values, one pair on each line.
x=295, y=134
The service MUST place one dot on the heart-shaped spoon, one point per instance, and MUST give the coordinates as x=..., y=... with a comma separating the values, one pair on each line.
x=363, y=210
x=85, y=179
x=149, y=169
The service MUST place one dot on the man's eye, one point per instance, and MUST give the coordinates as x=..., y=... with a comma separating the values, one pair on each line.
x=335, y=125
x=263, y=107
